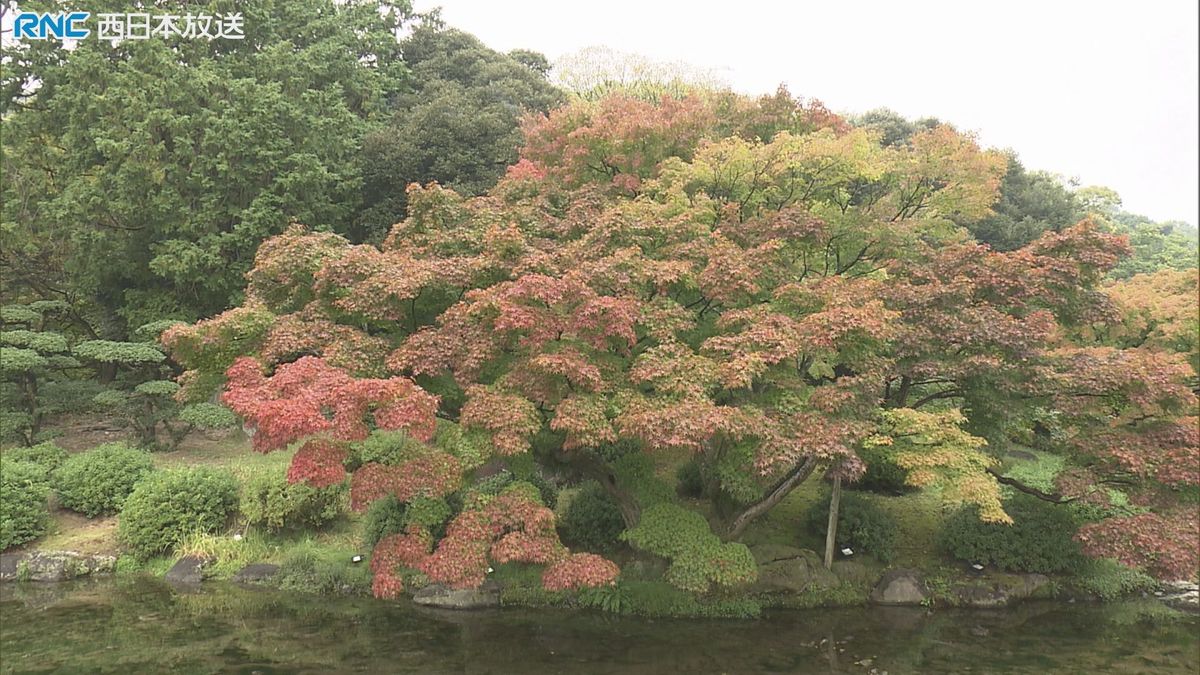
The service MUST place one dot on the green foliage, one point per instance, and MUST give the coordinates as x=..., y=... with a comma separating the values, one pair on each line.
x=698, y=558
x=1039, y=540
x=427, y=512
x=472, y=447
x=689, y=480
x=312, y=568
x=496, y=483
x=98, y=481
x=44, y=342
x=47, y=455
x=23, y=510
x=169, y=506
x=1031, y=203
x=387, y=447
x=269, y=500
x=205, y=150
x=459, y=128
x=122, y=353
x=384, y=516
x=208, y=416
x=1109, y=580
x=883, y=474
x=1156, y=246
x=592, y=520
x=862, y=525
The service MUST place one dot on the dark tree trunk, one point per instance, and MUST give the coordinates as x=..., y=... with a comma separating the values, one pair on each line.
x=831, y=529
x=775, y=495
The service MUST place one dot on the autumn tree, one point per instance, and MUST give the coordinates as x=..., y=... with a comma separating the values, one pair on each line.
x=756, y=286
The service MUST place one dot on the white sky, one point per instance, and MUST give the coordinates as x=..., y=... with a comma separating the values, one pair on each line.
x=1104, y=90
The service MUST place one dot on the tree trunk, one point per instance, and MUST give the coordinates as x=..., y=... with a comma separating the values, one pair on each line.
x=776, y=494
x=831, y=530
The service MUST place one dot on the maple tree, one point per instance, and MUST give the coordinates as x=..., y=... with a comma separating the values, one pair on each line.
x=751, y=282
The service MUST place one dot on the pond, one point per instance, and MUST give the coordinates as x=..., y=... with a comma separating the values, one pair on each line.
x=135, y=625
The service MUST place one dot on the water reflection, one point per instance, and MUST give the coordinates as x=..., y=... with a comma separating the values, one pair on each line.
x=146, y=626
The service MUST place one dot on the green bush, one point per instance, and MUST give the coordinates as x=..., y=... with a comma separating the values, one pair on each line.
x=1039, y=540
x=269, y=500
x=168, y=507
x=698, y=557
x=592, y=520
x=46, y=455
x=384, y=516
x=98, y=481
x=862, y=525
x=883, y=474
x=1108, y=579
x=23, y=511
x=689, y=480
x=497, y=482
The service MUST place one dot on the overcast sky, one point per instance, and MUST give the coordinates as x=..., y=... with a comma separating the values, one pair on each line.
x=1105, y=91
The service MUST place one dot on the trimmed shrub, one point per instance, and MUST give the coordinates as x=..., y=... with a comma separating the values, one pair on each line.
x=1039, y=540
x=23, y=511
x=592, y=520
x=97, y=482
x=862, y=525
x=269, y=500
x=384, y=516
x=46, y=455
x=168, y=507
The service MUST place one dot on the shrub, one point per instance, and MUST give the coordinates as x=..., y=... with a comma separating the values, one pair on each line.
x=98, y=481
x=1108, y=579
x=1039, y=540
x=269, y=500
x=862, y=525
x=168, y=507
x=384, y=516
x=46, y=455
x=23, y=511
x=689, y=481
x=883, y=474
x=592, y=520
x=698, y=557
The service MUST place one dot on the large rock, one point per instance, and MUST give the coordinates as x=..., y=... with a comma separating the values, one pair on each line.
x=900, y=587
x=786, y=569
x=854, y=572
x=256, y=573
x=188, y=570
x=53, y=565
x=436, y=595
x=999, y=590
x=1183, y=595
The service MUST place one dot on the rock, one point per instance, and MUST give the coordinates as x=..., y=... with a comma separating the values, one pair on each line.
x=786, y=569
x=998, y=590
x=1183, y=595
x=900, y=587
x=436, y=595
x=854, y=572
x=53, y=565
x=187, y=570
x=255, y=573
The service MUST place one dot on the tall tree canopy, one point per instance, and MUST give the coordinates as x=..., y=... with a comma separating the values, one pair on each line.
x=459, y=125
x=754, y=284
x=141, y=176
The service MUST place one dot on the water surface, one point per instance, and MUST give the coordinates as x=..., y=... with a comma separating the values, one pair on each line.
x=143, y=625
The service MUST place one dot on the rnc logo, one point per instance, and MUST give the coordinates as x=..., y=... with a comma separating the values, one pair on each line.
x=43, y=25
